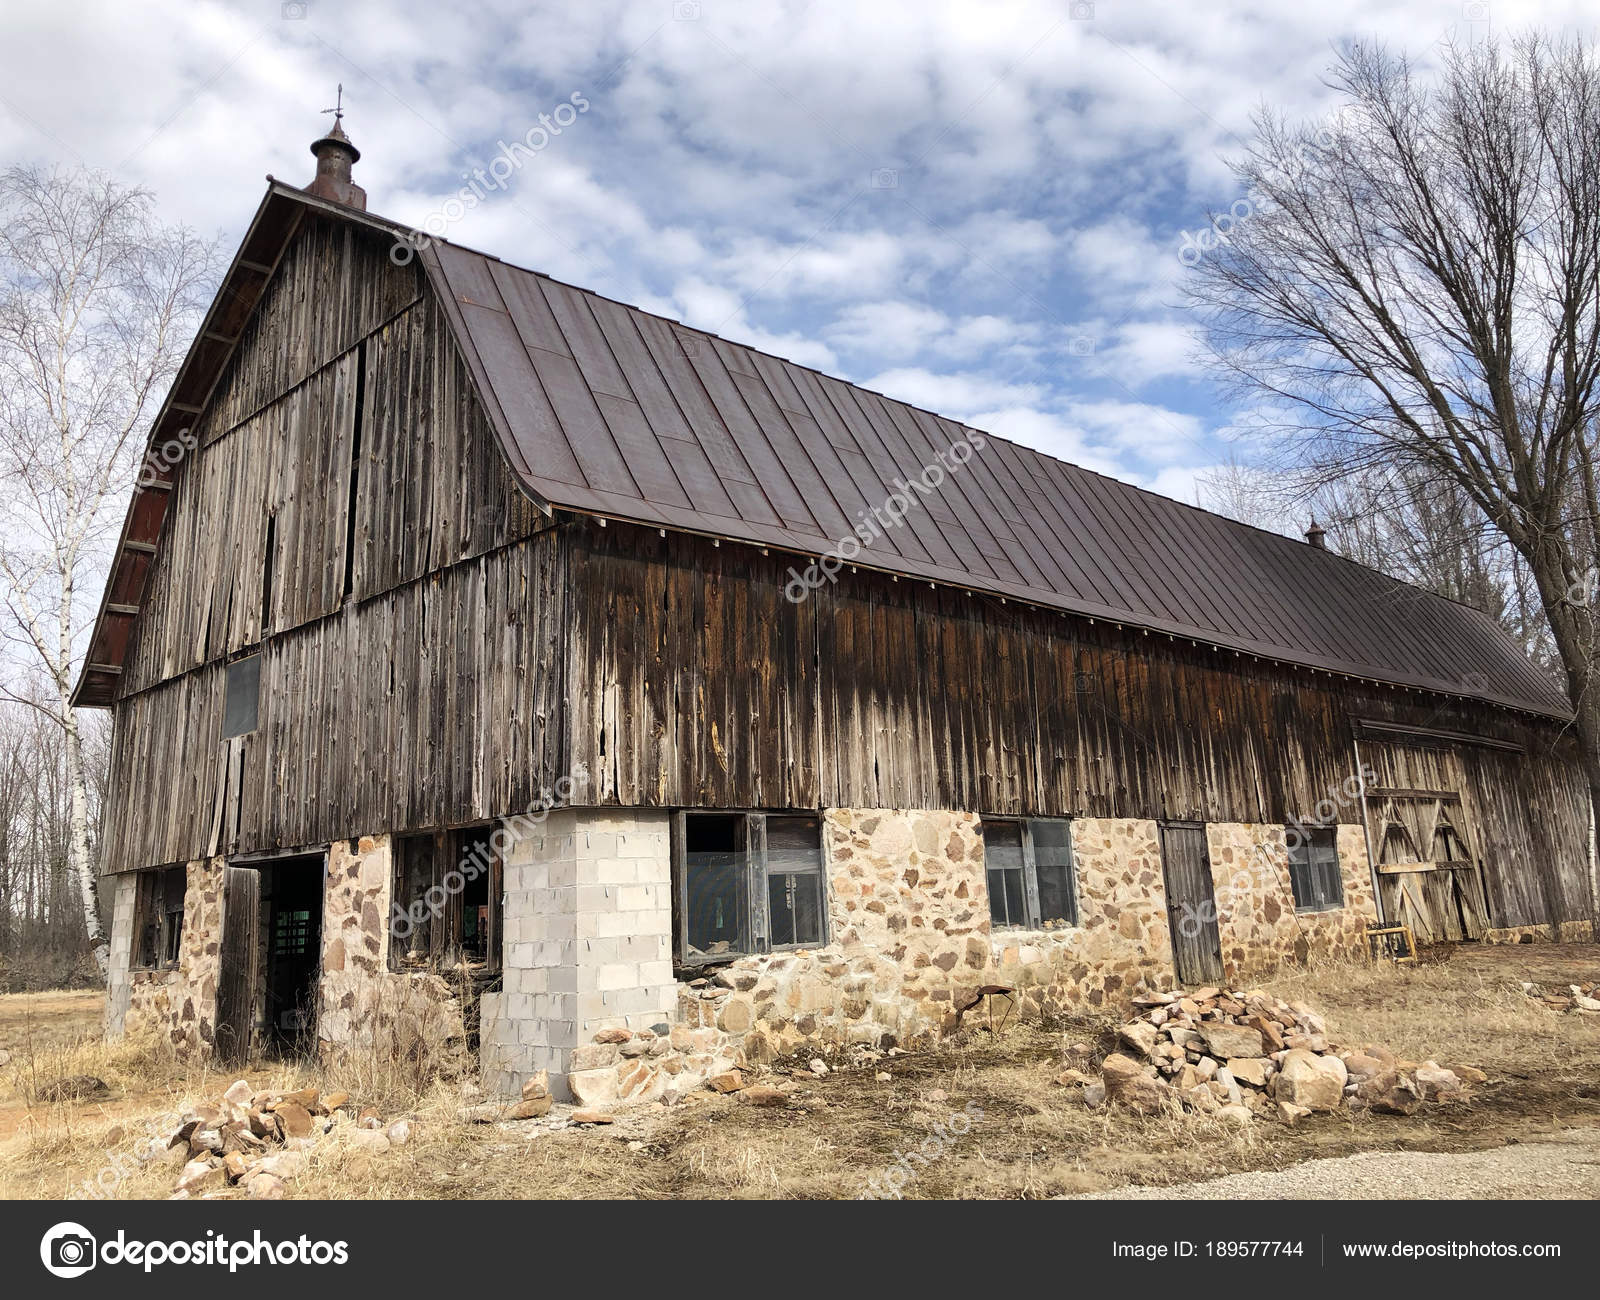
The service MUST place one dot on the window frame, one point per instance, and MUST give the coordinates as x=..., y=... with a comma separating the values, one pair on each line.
x=758, y=921
x=236, y=671
x=1308, y=837
x=439, y=937
x=1033, y=919
x=159, y=896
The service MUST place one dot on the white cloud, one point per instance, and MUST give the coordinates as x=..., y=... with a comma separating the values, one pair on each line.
x=1042, y=167
x=957, y=396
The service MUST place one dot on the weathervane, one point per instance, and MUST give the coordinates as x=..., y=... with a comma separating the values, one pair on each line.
x=338, y=109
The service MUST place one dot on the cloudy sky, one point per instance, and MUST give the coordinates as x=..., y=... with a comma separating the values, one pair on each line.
x=974, y=206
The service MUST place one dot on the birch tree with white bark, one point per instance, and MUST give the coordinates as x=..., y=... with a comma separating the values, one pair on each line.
x=98, y=302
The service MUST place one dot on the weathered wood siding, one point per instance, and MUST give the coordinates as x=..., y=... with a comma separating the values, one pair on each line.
x=258, y=539
x=396, y=690
x=695, y=681
x=1526, y=815
x=414, y=710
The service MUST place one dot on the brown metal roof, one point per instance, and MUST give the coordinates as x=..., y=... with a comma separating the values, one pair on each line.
x=608, y=409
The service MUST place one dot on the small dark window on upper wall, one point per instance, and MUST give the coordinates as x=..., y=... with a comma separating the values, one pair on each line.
x=747, y=883
x=242, y=704
x=1314, y=869
x=1032, y=883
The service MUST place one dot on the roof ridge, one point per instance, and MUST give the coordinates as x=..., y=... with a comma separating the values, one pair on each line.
x=1283, y=538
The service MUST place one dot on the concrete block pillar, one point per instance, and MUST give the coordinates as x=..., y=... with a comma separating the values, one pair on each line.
x=587, y=941
x=119, y=979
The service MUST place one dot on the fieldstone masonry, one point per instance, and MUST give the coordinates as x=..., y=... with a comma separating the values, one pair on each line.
x=178, y=1005
x=911, y=957
x=589, y=994
x=1256, y=917
x=362, y=1004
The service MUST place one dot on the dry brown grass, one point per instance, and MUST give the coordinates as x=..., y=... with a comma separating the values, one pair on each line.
x=1033, y=1140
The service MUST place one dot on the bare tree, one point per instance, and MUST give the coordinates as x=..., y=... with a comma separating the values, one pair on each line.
x=1417, y=286
x=98, y=300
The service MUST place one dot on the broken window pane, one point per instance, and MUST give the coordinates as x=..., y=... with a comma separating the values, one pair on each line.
x=716, y=870
x=1052, y=861
x=147, y=922
x=475, y=916
x=158, y=918
x=174, y=881
x=748, y=883
x=411, y=919
x=1314, y=875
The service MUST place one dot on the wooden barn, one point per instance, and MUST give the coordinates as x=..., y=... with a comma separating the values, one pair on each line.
x=496, y=664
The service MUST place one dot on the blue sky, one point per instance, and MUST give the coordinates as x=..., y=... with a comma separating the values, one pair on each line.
x=976, y=207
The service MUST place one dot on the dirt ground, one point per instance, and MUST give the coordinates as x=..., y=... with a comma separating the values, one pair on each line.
x=985, y=1106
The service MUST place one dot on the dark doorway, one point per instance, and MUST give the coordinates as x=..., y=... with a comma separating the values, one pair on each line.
x=1191, y=903
x=291, y=911
x=271, y=958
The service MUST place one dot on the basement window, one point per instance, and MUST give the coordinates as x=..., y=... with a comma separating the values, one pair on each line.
x=746, y=883
x=1032, y=881
x=242, y=703
x=447, y=897
x=158, y=919
x=1314, y=872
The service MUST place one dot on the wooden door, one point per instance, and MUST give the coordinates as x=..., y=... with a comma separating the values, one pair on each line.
x=1191, y=903
x=1428, y=877
x=236, y=984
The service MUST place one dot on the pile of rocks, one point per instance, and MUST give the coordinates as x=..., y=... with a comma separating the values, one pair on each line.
x=259, y=1140
x=1239, y=1055
x=1583, y=999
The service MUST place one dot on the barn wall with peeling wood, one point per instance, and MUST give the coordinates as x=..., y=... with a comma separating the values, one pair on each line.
x=499, y=666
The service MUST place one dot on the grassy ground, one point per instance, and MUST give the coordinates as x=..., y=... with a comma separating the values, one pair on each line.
x=1007, y=1129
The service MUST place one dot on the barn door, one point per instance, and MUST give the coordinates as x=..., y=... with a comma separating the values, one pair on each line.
x=236, y=985
x=1427, y=875
x=1191, y=902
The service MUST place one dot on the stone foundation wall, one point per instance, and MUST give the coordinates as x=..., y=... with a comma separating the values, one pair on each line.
x=178, y=1005
x=911, y=956
x=1256, y=917
x=363, y=1006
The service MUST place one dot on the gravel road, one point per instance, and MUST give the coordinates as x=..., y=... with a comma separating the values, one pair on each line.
x=1560, y=1165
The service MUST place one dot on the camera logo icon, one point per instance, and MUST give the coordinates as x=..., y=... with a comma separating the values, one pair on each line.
x=68, y=1250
